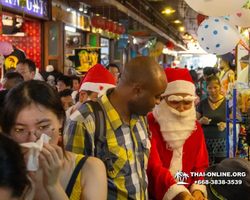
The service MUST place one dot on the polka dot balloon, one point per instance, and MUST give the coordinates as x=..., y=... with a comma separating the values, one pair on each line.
x=216, y=7
x=217, y=35
x=241, y=18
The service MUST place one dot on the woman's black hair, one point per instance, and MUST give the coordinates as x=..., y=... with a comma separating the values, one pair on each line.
x=13, y=174
x=212, y=78
x=194, y=76
x=26, y=93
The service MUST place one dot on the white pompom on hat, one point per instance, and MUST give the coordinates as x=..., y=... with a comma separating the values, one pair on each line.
x=179, y=82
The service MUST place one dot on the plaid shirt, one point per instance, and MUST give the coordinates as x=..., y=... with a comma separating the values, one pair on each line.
x=128, y=145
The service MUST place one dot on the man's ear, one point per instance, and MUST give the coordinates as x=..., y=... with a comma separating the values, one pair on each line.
x=33, y=74
x=83, y=96
x=137, y=88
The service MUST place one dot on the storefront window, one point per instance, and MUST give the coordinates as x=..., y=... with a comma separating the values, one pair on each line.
x=53, y=40
x=104, y=52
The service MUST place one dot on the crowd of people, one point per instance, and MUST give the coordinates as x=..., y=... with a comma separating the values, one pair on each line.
x=116, y=135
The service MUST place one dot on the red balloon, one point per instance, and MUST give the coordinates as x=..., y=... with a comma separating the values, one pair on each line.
x=97, y=21
x=169, y=45
x=200, y=19
x=105, y=24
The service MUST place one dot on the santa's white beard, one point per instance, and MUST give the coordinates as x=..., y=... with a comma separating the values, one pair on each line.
x=175, y=126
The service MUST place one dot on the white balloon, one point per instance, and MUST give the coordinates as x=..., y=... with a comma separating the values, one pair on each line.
x=2, y=59
x=216, y=7
x=217, y=35
x=241, y=18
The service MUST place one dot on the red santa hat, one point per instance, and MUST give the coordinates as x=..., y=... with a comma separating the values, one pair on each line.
x=179, y=81
x=97, y=79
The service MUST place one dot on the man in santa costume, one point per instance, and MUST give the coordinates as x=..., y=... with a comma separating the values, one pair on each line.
x=177, y=142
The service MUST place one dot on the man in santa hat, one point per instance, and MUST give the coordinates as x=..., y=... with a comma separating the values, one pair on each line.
x=178, y=143
x=94, y=84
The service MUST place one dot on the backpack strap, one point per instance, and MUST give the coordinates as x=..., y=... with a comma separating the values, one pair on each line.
x=100, y=133
x=148, y=131
x=74, y=176
x=100, y=127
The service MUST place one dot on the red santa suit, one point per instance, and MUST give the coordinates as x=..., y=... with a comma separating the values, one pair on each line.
x=177, y=142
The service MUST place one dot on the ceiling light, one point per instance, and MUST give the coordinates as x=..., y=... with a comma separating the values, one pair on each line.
x=85, y=10
x=68, y=9
x=192, y=40
x=81, y=8
x=190, y=37
x=168, y=11
x=177, y=21
x=182, y=28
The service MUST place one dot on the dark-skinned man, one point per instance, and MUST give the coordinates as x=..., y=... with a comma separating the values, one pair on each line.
x=139, y=89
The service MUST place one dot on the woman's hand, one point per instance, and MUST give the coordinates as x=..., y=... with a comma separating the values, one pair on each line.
x=204, y=120
x=51, y=159
x=221, y=126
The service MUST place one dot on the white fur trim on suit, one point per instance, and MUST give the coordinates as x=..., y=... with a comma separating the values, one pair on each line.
x=176, y=162
x=100, y=88
x=180, y=86
x=202, y=188
x=173, y=191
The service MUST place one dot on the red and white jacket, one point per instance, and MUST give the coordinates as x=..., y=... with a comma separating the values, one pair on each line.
x=194, y=158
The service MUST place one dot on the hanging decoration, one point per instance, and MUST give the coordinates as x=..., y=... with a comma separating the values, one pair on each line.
x=241, y=18
x=97, y=21
x=169, y=45
x=105, y=26
x=23, y=3
x=157, y=49
x=217, y=35
x=110, y=28
x=200, y=19
x=242, y=43
x=216, y=7
x=6, y=48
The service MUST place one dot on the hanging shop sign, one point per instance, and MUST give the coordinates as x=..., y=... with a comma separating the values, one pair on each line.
x=85, y=58
x=37, y=8
x=75, y=19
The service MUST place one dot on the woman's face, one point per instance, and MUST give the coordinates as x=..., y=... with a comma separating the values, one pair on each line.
x=213, y=89
x=34, y=120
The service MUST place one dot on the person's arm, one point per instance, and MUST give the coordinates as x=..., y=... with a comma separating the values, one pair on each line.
x=161, y=183
x=80, y=132
x=201, y=164
x=94, y=180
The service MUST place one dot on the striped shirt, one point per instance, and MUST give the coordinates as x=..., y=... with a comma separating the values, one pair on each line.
x=128, y=145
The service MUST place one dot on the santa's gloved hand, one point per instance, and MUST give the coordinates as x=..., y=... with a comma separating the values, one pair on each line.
x=184, y=196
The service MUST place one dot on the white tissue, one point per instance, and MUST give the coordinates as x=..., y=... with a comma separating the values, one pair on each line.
x=35, y=148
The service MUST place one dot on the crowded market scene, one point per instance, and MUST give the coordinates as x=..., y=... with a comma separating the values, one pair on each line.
x=124, y=100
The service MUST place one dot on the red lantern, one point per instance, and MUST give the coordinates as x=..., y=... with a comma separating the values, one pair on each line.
x=111, y=27
x=169, y=45
x=116, y=28
x=200, y=19
x=123, y=30
x=105, y=24
x=97, y=21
